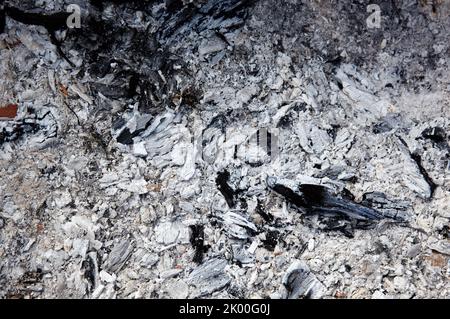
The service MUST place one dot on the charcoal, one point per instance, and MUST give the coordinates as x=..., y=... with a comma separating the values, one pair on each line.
x=237, y=225
x=43, y=127
x=395, y=209
x=209, y=277
x=437, y=135
x=300, y=282
x=51, y=22
x=317, y=199
x=222, y=185
x=260, y=211
x=241, y=255
x=91, y=272
x=119, y=255
x=197, y=241
x=271, y=240
x=2, y=19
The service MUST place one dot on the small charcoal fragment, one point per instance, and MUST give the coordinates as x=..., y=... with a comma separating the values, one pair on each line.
x=435, y=134
x=119, y=255
x=2, y=19
x=209, y=277
x=423, y=171
x=222, y=185
x=262, y=212
x=197, y=241
x=300, y=282
x=237, y=225
x=125, y=137
x=90, y=267
x=271, y=239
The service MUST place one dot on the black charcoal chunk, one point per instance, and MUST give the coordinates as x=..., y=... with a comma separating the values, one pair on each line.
x=437, y=135
x=197, y=241
x=222, y=185
x=318, y=199
x=125, y=137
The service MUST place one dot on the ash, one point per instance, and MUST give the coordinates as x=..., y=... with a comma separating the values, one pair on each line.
x=225, y=149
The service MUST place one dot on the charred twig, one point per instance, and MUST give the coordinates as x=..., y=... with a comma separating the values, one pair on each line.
x=317, y=199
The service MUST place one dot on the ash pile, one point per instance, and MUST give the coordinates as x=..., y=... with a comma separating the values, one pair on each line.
x=224, y=149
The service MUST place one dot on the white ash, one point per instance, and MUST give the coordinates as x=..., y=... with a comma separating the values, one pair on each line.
x=108, y=175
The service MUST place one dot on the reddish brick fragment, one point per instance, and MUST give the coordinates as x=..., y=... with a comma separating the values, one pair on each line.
x=9, y=111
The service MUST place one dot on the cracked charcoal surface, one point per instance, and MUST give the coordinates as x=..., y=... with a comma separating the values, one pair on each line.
x=225, y=149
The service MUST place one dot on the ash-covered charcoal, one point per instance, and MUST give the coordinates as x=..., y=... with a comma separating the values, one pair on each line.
x=300, y=282
x=339, y=211
x=39, y=128
x=395, y=209
x=32, y=277
x=119, y=255
x=53, y=22
x=318, y=199
x=209, y=277
x=241, y=255
x=260, y=210
x=236, y=225
x=431, y=184
x=125, y=131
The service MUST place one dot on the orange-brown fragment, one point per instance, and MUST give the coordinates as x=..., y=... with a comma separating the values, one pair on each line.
x=63, y=90
x=437, y=260
x=340, y=295
x=9, y=111
x=40, y=228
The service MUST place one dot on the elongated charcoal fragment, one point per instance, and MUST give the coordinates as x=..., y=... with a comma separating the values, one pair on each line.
x=52, y=22
x=197, y=241
x=222, y=185
x=2, y=19
x=318, y=199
